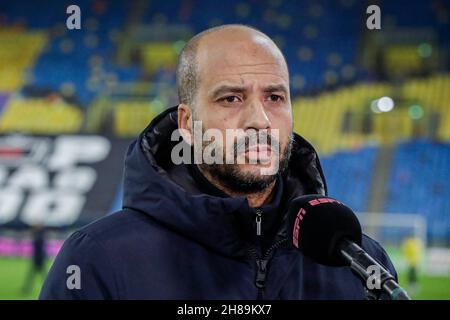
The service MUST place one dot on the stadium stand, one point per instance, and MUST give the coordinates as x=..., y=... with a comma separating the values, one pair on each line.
x=419, y=184
x=41, y=116
x=19, y=52
x=130, y=115
x=356, y=164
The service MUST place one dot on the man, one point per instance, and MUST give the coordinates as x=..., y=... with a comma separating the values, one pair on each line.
x=412, y=250
x=217, y=230
x=37, y=262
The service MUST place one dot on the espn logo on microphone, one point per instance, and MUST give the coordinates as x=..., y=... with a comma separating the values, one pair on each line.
x=301, y=213
x=317, y=201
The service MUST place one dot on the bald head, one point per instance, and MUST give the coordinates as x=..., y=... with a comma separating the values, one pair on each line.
x=221, y=44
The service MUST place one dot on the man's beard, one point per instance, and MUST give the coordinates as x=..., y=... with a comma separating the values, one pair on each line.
x=233, y=178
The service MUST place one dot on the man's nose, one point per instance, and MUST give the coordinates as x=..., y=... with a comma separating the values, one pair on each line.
x=256, y=117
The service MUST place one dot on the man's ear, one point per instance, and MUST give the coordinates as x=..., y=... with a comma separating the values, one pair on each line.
x=185, y=122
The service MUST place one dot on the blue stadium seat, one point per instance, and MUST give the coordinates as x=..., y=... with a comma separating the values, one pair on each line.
x=419, y=184
x=349, y=176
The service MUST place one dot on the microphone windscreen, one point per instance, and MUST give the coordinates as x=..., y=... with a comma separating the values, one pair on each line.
x=317, y=224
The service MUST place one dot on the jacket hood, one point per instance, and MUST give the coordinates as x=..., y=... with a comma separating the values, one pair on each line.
x=150, y=187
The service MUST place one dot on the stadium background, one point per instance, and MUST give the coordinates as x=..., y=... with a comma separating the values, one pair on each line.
x=375, y=103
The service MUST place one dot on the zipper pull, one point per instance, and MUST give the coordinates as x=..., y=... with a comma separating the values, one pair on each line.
x=258, y=221
x=261, y=273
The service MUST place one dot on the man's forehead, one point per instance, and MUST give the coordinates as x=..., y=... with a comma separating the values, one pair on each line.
x=245, y=71
x=243, y=78
x=244, y=54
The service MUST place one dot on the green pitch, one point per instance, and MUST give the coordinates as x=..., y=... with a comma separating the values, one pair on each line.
x=13, y=272
x=12, y=277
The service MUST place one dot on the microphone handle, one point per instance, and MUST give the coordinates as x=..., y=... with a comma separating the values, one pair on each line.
x=365, y=266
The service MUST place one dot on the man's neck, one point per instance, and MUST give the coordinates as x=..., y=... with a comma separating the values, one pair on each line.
x=255, y=200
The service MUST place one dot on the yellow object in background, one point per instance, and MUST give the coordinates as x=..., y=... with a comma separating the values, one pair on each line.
x=18, y=51
x=412, y=248
x=158, y=54
x=403, y=58
x=131, y=117
x=40, y=116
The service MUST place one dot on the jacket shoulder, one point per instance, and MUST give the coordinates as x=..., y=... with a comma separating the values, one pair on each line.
x=116, y=224
x=91, y=252
x=80, y=271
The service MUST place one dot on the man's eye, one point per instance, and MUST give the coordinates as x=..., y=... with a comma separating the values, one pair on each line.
x=275, y=98
x=230, y=99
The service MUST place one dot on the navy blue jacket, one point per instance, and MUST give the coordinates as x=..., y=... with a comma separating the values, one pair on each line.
x=173, y=241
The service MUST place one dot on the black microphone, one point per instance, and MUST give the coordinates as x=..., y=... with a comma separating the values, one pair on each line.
x=328, y=232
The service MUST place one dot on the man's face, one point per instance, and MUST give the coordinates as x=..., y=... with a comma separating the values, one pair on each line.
x=244, y=84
